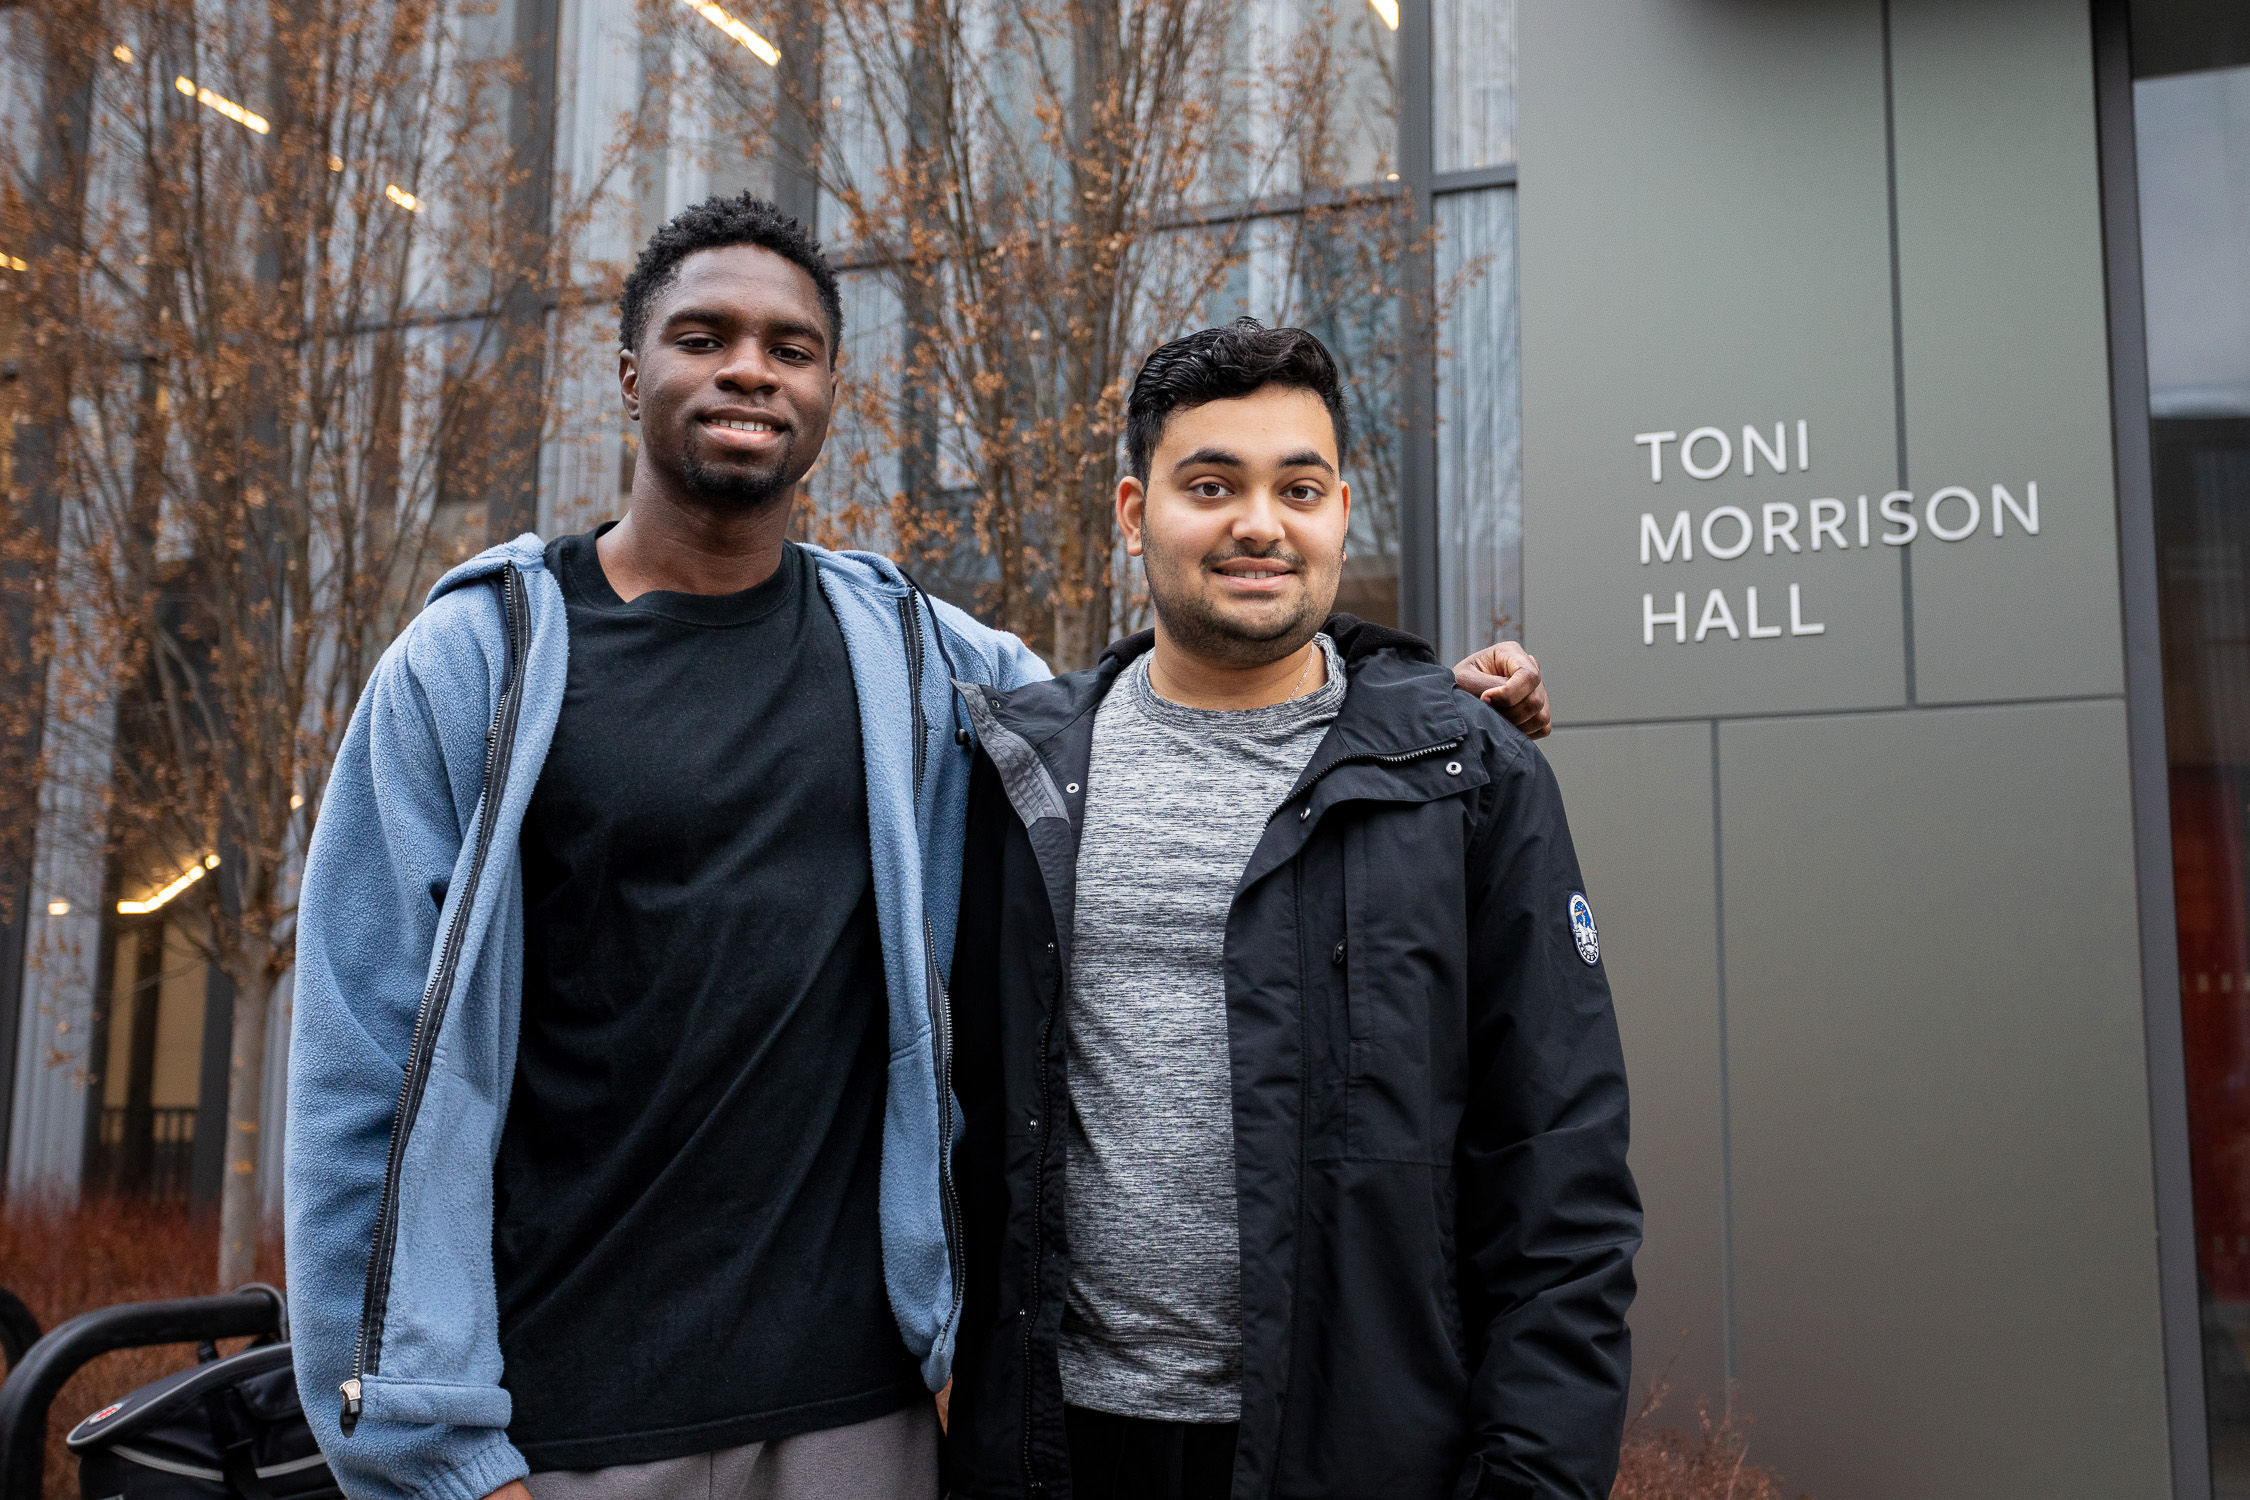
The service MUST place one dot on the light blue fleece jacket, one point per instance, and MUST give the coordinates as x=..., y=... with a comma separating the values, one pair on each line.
x=409, y=999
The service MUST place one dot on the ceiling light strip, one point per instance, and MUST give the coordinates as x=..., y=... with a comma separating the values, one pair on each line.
x=767, y=53
x=225, y=106
x=190, y=876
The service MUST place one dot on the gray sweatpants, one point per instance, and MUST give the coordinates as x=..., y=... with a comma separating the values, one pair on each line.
x=890, y=1458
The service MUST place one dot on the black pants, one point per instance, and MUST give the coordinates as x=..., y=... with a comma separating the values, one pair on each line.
x=1133, y=1458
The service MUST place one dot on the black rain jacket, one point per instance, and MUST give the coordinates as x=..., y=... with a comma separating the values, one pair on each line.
x=1437, y=1221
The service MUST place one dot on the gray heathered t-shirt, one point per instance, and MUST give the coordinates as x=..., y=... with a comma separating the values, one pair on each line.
x=1176, y=800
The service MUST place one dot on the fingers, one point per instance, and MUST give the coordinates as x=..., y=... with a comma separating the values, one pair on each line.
x=1531, y=718
x=1527, y=712
x=1530, y=715
x=1522, y=698
x=1494, y=661
x=1506, y=676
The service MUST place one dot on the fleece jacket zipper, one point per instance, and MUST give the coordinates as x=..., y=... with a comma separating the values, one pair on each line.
x=429, y=1017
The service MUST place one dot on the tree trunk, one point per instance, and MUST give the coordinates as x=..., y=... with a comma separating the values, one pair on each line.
x=239, y=1199
x=920, y=298
x=512, y=507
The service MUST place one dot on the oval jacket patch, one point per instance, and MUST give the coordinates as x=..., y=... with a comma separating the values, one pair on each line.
x=1582, y=928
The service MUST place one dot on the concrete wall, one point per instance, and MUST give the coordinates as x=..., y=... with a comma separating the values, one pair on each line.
x=1865, y=876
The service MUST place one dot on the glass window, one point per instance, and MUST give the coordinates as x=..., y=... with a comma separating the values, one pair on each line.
x=2195, y=231
x=853, y=488
x=1480, y=436
x=143, y=1140
x=2194, y=139
x=1309, y=100
x=1473, y=72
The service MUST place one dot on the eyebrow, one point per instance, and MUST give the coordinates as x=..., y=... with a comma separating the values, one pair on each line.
x=699, y=315
x=1218, y=457
x=1222, y=458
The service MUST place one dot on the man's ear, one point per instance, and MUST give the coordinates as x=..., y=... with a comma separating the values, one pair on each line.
x=1132, y=508
x=629, y=382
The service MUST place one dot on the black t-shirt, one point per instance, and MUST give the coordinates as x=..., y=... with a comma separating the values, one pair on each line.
x=685, y=1235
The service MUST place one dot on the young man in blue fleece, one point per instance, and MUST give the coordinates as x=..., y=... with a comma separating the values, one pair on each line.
x=619, y=1101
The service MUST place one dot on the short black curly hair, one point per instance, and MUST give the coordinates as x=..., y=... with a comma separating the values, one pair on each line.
x=1222, y=364
x=711, y=225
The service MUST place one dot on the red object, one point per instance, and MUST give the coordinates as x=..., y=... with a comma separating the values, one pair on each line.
x=2214, y=931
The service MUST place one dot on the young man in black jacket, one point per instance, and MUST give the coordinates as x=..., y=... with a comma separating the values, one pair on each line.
x=1295, y=1117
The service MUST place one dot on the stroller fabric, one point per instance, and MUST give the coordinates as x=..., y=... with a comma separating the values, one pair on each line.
x=228, y=1429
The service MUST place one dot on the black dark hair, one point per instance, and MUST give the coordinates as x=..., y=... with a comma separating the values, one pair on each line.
x=710, y=225
x=1221, y=364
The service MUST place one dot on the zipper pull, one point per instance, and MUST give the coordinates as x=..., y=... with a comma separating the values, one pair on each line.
x=351, y=1405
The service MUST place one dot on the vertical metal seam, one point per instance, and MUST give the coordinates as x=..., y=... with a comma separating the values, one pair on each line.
x=1726, y=1100
x=1419, y=606
x=1898, y=349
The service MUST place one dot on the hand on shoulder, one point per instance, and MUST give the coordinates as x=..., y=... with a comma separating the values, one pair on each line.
x=1507, y=677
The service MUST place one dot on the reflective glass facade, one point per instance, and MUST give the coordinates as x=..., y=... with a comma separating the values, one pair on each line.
x=2192, y=133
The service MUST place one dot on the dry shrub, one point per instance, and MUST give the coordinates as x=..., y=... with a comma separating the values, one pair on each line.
x=66, y=1260
x=1711, y=1463
x=63, y=1261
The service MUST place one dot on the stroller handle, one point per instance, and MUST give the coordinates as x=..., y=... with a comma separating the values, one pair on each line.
x=35, y=1382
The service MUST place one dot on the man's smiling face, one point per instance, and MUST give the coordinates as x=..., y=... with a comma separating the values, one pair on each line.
x=1241, y=524
x=734, y=378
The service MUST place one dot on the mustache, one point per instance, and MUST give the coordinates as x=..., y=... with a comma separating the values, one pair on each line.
x=1243, y=551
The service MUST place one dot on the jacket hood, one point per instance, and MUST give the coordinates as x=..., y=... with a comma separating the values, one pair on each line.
x=1354, y=638
x=867, y=570
x=526, y=552
x=1400, y=700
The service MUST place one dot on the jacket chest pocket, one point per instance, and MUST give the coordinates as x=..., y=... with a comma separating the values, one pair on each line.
x=1404, y=981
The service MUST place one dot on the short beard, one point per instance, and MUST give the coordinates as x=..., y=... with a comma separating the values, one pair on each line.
x=751, y=491
x=1204, y=632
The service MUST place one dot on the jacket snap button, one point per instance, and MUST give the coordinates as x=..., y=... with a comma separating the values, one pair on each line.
x=1304, y=815
x=1073, y=787
x=1453, y=768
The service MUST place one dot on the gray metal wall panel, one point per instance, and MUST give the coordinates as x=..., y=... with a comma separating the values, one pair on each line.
x=1943, y=1278
x=1704, y=241
x=1944, y=1232
x=2006, y=346
x=1640, y=814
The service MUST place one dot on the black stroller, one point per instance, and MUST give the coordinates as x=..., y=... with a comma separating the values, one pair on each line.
x=227, y=1429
